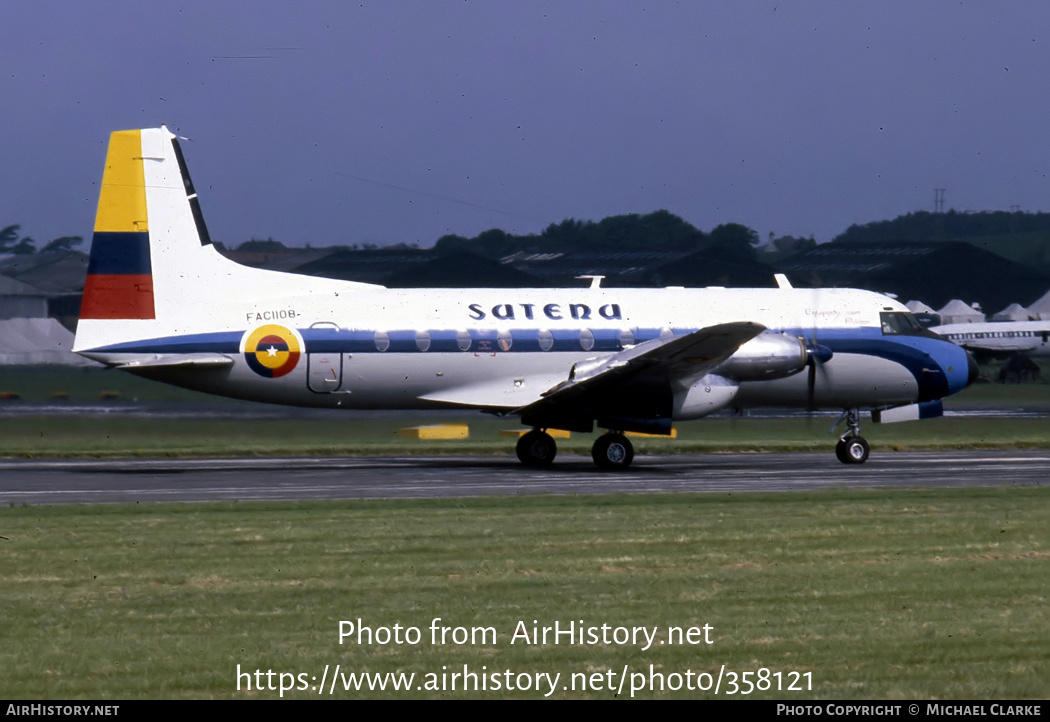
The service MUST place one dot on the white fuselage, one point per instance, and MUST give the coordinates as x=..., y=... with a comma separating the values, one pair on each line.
x=368, y=347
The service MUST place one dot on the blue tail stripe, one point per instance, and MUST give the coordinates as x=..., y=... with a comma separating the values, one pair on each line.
x=120, y=253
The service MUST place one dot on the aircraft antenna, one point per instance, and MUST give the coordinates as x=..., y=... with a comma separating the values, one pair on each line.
x=596, y=281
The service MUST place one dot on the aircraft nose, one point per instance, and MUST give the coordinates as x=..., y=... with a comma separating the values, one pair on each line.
x=971, y=368
x=957, y=380
x=951, y=360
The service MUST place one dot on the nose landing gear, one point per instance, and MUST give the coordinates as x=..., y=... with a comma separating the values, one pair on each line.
x=852, y=448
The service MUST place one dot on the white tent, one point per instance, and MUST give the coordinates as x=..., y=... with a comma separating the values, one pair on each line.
x=1013, y=312
x=19, y=299
x=1040, y=310
x=918, y=307
x=37, y=341
x=958, y=312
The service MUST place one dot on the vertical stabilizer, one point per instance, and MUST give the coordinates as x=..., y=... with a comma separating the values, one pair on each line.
x=153, y=270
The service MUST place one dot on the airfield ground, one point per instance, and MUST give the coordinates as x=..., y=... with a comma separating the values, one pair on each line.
x=864, y=594
x=872, y=594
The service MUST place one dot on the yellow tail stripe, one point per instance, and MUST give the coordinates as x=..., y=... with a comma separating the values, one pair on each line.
x=122, y=201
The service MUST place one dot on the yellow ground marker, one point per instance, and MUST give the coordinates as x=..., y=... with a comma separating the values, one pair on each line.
x=437, y=431
x=640, y=435
x=518, y=433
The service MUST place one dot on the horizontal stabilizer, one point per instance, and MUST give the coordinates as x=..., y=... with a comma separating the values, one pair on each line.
x=186, y=359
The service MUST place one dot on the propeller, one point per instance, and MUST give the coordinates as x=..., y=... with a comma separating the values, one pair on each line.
x=816, y=357
x=816, y=354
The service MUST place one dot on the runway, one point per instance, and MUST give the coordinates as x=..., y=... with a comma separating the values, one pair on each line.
x=34, y=482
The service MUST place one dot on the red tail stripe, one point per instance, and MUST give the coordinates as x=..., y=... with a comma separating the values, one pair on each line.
x=118, y=297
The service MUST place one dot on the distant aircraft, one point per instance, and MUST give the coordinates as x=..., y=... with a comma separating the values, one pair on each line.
x=161, y=302
x=999, y=339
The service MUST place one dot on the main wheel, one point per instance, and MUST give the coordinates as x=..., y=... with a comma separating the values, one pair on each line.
x=612, y=451
x=536, y=448
x=853, y=450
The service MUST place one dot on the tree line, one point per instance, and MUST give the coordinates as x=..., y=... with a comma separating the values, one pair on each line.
x=12, y=241
x=1018, y=235
x=658, y=231
x=952, y=225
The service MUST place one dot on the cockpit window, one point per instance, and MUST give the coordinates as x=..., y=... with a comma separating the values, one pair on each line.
x=900, y=323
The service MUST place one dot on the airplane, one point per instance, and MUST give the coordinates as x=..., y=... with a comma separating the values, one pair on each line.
x=161, y=302
x=999, y=339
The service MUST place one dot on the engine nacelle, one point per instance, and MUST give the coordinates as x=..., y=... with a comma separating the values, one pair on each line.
x=593, y=367
x=769, y=355
x=704, y=397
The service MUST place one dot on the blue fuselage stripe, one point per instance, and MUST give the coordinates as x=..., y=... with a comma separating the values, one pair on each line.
x=939, y=367
x=869, y=341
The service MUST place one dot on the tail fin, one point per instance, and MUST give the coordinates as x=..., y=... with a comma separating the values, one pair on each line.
x=153, y=270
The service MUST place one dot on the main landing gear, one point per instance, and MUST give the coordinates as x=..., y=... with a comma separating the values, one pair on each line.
x=852, y=448
x=537, y=449
x=612, y=451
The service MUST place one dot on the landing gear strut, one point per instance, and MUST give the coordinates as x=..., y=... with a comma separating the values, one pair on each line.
x=852, y=448
x=612, y=451
x=536, y=448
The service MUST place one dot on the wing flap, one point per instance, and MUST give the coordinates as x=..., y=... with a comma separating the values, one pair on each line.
x=504, y=394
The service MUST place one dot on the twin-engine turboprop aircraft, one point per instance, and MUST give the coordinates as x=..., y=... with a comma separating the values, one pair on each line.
x=161, y=302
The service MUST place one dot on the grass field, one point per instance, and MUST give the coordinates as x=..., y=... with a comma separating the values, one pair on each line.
x=873, y=594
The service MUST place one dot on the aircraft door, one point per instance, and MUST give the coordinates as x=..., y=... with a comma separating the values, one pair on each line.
x=324, y=372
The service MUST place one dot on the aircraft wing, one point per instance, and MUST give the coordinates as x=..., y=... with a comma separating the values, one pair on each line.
x=660, y=361
x=679, y=359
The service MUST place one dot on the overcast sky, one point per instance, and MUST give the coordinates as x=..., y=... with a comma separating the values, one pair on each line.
x=386, y=122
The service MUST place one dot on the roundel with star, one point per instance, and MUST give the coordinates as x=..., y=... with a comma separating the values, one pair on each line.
x=272, y=351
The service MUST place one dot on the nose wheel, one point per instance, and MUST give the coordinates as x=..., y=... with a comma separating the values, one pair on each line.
x=612, y=452
x=852, y=447
x=852, y=450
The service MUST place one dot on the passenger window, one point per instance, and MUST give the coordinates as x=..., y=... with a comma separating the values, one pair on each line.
x=546, y=339
x=504, y=340
x=626, y=338
x=382, y=339
x=423, y=340
x=586, y=339
x=463, y=340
